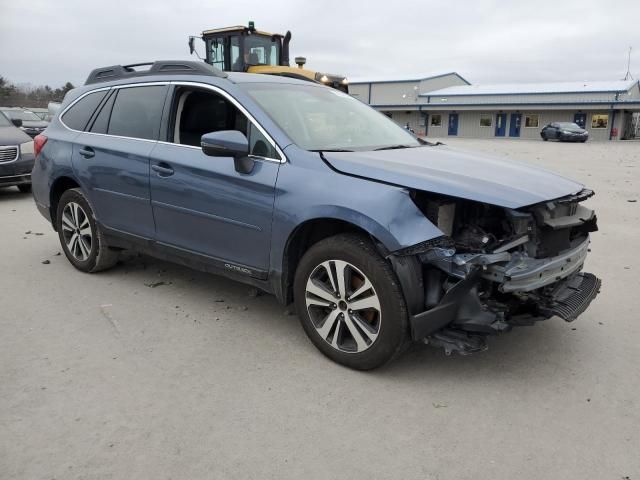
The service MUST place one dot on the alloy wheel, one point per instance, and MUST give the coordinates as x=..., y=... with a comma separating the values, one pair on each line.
x=343, y=306
x=76, y=230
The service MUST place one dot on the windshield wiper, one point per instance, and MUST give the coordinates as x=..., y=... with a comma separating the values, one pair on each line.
x=394, y=147
x=331, y=150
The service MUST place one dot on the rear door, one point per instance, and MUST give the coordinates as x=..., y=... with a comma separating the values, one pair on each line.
x=202, y=204
x=112, y=157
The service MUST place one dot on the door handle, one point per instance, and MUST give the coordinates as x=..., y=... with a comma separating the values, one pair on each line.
x=87, y=152
x=162, y=169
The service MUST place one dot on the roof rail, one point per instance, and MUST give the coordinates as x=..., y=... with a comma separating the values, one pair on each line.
x=164, y=67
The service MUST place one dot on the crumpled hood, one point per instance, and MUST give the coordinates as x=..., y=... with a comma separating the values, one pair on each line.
x=457, y=173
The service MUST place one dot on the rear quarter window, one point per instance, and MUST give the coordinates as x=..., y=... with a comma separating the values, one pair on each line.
x=137, y=112
x=79, y=114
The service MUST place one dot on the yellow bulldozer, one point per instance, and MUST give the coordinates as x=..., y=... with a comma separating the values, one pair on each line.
x=245, y=49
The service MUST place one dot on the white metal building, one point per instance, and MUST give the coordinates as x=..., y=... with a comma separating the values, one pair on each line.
x=447, y=105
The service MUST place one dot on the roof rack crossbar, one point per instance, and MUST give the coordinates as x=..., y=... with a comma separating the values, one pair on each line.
x=175, y=67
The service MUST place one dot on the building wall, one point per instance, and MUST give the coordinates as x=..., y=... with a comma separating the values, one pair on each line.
x=469, y=123
x=413, y=118
x=397, y=93
x=360, y=91
x=401, y=92
x=634, y=93
x=432, y=84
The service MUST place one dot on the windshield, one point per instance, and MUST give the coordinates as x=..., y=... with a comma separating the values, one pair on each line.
x=23, y=115
x=4, y=121
x=322, y=118
x=569, y=125
x=261, y=50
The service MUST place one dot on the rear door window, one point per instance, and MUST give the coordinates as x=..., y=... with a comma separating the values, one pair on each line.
x=101, y=123
x=137, y=112
x=79, y=114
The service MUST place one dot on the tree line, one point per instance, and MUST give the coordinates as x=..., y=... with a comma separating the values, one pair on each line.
x=28, y=96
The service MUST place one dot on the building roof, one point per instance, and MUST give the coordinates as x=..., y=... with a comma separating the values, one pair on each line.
x=535, y=88
x=411, y=78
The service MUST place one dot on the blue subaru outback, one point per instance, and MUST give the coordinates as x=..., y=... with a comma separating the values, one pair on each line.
x=379, y=238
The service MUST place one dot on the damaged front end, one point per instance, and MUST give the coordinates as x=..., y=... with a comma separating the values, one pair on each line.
x=495, y=268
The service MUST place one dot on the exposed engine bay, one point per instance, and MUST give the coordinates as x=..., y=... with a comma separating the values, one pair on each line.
x=495, y=268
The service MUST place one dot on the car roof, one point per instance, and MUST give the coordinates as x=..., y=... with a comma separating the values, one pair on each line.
x=178, y=70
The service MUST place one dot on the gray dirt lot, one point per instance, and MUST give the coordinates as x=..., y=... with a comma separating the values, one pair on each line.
x=102, y=376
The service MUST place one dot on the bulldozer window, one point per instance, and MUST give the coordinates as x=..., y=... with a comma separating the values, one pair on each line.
x=216, y=52
x=237, y=64
x=261, y=50
x=200, y=111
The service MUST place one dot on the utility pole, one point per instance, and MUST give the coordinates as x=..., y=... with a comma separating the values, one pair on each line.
x=628, y=75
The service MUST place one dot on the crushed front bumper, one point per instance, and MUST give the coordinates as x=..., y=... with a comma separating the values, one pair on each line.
x=515, y=272
x=525, y=290
x=523, y=274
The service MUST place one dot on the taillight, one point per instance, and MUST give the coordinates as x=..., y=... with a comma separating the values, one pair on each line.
x=38, y=143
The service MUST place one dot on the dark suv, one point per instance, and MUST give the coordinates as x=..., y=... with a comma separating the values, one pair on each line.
x=307, y=193
x=16, y=155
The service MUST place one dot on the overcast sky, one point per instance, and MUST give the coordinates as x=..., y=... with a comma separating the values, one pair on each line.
x=486, y=41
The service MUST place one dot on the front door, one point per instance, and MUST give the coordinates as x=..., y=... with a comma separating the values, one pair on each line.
x=453, y=124
x=580, y=119
x=514, y=126
x=501, y=124
x=204, y=205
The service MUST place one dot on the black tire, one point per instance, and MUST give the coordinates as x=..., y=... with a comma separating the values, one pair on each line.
x=393, y=330
x=100, y=257
x=25, y=188
x=545, y=138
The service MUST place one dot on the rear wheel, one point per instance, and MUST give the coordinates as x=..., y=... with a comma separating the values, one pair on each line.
x=25, y=188
x=349, y=302
x=80, y=236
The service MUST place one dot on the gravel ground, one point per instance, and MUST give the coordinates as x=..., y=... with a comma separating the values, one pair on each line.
x=155, y=371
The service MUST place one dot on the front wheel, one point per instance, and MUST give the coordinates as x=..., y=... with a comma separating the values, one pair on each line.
x=81, y=238
x=350, y=303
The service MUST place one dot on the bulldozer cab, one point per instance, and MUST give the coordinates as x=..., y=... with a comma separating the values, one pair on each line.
x=237, y=49
x=245, y=49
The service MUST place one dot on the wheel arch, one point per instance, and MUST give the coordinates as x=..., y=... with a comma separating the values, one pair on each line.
x=58, y=187
x=315, y=228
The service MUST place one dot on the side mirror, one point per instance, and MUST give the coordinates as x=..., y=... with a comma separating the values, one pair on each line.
x=191, y=46
x=225, y=143
x=17, y=122
x=229, y=143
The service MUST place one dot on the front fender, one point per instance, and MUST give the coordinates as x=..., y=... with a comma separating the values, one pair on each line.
x=308, y=189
